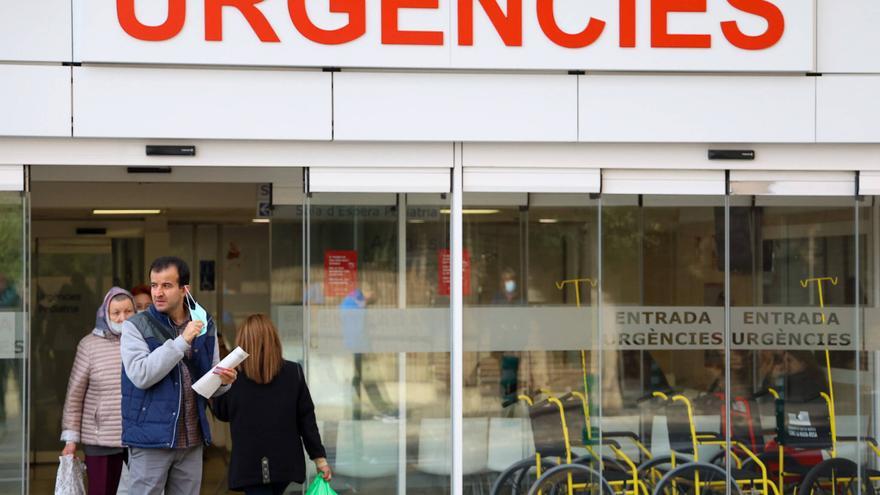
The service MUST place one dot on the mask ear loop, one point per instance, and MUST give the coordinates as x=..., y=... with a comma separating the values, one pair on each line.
x=190, y=300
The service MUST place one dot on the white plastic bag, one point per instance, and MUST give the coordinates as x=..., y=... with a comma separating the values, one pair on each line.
x=69, y=480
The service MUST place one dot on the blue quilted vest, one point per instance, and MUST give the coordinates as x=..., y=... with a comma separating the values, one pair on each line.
x=149, y=417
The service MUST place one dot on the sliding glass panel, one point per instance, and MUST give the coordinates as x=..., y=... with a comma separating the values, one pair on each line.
x=663, y=359
x=377, y=340
x=13, y=357
x=531, y=381
x=794, y=367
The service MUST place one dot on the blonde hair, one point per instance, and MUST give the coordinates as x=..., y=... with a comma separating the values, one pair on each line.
x=259, y=338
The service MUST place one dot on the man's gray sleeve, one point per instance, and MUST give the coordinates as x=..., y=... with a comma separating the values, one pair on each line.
x=145, y=368
x=223, y=388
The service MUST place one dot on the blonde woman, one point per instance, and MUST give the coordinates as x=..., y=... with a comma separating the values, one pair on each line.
x=271, y=415
x=92, y=414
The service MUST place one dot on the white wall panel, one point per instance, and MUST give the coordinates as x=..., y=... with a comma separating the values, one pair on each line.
x=11, y=178
x=455, y=107
x=224, y=153
x=869, y=183
x=790, y=156
x=34, y=100
x=698, y=108
x=538, y=180
x=35, y=31
x=201, y=103
x=380, y=180
x=696, y=182
x=847, y=109
x=847, y=35
x=792, y=183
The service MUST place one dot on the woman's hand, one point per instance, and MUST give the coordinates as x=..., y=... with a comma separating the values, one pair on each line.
x=324, y=468
x=69, y=449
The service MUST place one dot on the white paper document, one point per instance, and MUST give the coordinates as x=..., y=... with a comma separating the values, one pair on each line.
x=207, y=385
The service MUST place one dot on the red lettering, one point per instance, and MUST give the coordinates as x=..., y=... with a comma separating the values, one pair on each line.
x=248, y=8
x=627, y=23
x=547, y=20
x=762, y=8
x=165, y=31
x=356, y=27
x=660, y=36
x=391, y=33
x=509, y=26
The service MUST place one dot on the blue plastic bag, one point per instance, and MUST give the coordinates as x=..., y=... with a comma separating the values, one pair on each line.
x=320, y=487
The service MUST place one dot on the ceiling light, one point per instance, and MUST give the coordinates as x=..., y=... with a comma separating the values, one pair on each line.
x=417, y=220
x=126, y=212
x=548, y=220
x=260, y=220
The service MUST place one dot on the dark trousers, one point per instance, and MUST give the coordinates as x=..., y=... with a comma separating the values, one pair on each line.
x=104, y=472
x=270, y=489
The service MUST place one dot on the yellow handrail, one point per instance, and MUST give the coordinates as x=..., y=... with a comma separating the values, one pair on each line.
x=832, y=420
x=818, y=280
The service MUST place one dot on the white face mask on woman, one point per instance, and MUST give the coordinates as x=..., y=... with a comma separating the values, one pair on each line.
x=116, y=328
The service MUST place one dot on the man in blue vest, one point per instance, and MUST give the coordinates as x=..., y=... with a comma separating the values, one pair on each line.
x=164, y=351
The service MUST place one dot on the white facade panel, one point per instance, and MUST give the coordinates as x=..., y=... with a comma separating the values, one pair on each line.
x=536, y=180
x=224, y=153
x=35, y=31
x=34, y=100
x=454, y=107
x=380, y=180
x=778, y=36
x=127, y=102
x=698, y=108
x=792, y=183
x=847, y=36
x=847, y=109
x=689, y=182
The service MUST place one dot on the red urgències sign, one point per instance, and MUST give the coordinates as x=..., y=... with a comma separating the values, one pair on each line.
x=507, y=23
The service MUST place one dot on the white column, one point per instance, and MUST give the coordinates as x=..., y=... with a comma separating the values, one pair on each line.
x=456, y=342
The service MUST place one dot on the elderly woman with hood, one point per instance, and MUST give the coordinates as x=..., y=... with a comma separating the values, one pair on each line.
x=92, y=412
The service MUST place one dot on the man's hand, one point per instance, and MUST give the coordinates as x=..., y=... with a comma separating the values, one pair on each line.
x=192, y=330
x=227, y=375
x=69, y=449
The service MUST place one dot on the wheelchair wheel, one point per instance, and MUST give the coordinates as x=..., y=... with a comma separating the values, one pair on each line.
x=838, y=477
x=653, y=470
x=585, y=480
x=684, y=480
x=516, y=479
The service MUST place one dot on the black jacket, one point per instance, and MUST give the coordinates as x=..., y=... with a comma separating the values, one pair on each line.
x=271, y=421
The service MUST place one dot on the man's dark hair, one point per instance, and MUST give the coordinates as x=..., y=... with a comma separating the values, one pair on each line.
x=164, y=262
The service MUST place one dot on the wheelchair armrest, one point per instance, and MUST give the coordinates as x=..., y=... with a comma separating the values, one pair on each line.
x=620, y=434
x=613, y=443
x=870, y=440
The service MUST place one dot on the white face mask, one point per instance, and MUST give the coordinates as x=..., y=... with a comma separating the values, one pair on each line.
x=510, y=286
x=142, y=311
x=116, y=328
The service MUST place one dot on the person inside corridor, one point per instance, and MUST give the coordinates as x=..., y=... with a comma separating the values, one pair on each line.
x=267, y=442
x=142, y=299
x=508, y=290
x=92, y=413
x=164, y=351
x=353, y=308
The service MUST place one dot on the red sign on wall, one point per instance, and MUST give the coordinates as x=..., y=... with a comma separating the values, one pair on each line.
x=340, y=273
x=445, y=270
